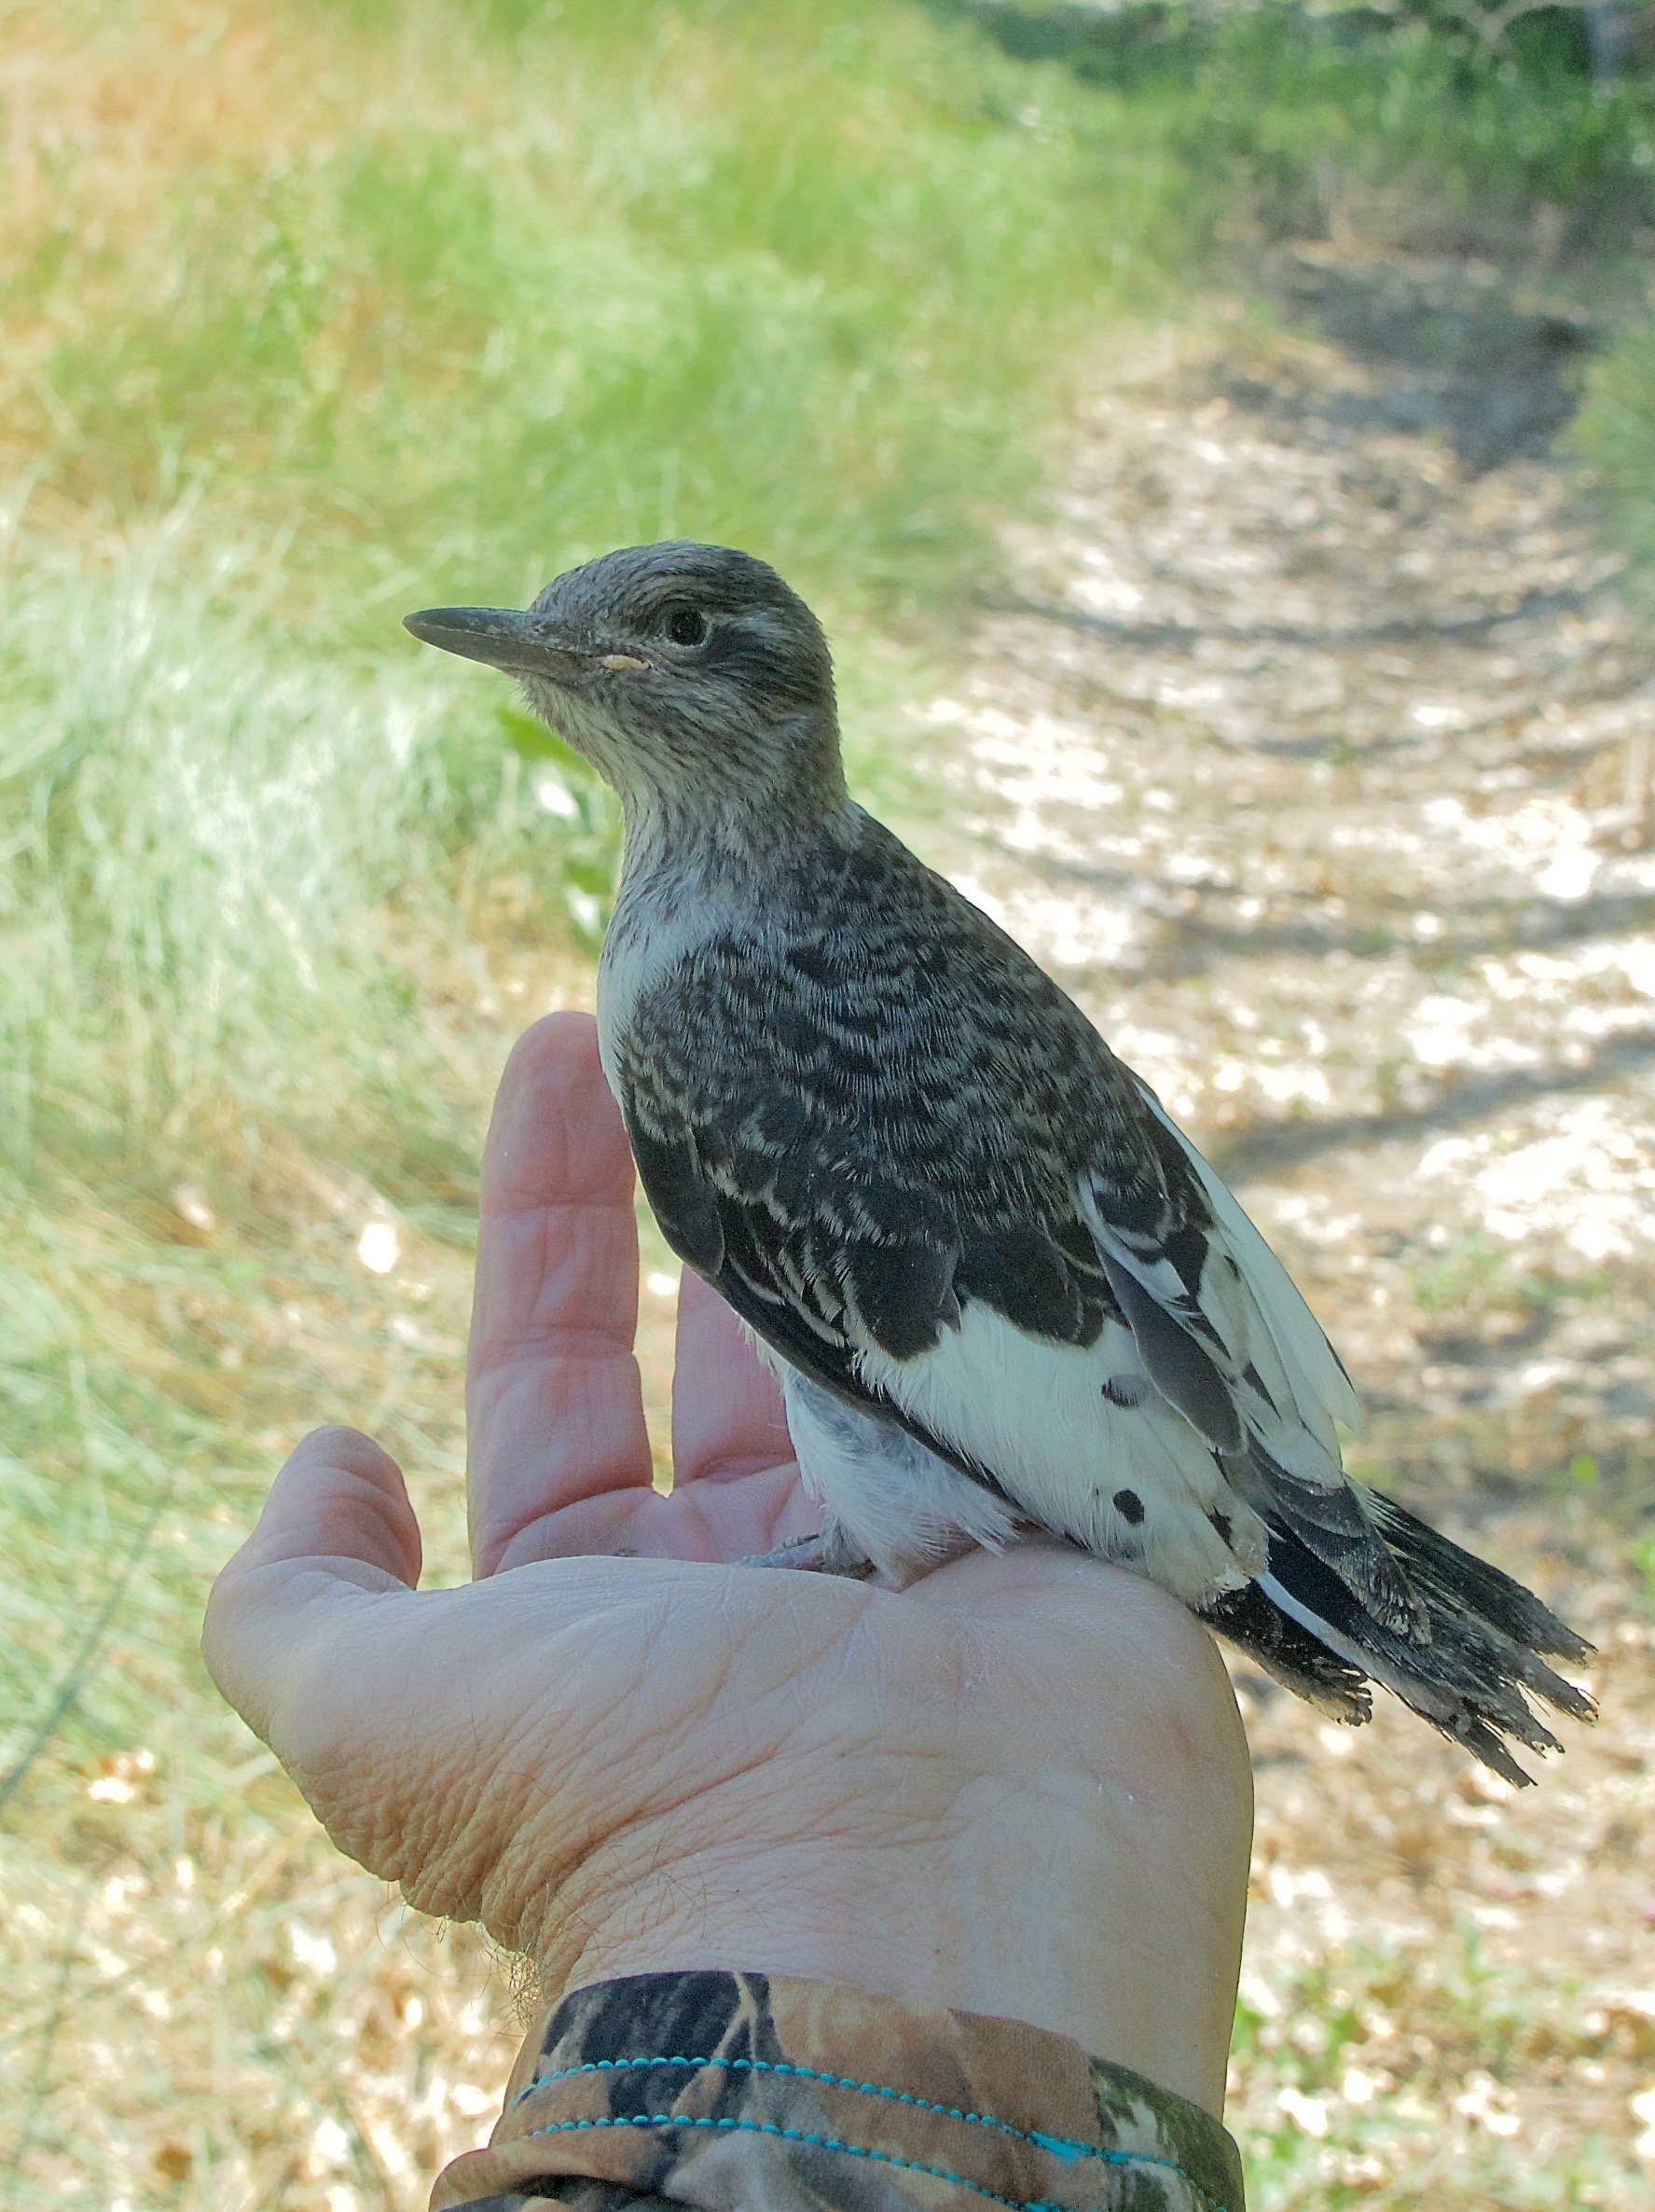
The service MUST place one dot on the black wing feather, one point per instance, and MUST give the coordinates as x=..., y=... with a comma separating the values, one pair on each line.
x=858, y=1132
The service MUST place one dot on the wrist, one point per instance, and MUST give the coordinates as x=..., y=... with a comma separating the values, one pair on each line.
x=1089, y=1882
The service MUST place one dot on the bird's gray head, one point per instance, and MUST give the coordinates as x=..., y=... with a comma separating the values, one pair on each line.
x=690, y=676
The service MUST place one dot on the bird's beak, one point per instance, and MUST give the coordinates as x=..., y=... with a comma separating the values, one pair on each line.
x=500, y=636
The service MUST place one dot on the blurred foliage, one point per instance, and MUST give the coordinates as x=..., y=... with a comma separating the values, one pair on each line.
x=568, y=788
x=320, y=311
x=1614, y=435
x=205, y=835
x=1293, y=118
x=448, y=299
x=1434, y=124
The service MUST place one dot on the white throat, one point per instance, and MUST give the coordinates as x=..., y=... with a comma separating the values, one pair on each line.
x=667, y=906
x=684, y=883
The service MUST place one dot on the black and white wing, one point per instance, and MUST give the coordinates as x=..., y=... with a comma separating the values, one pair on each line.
x=914, y=1169
x=883, y=1228
x=1229, y=1340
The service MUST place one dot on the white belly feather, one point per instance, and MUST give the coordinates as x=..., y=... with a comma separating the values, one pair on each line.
x=1133, y=1484
x=900, y=1505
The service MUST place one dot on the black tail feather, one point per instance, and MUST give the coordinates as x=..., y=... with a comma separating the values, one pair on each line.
x=1295, y=1658
x=1335, y=1524
x=1458, y=1579
x=1466, y=1674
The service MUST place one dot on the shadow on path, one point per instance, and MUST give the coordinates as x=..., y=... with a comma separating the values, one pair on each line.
x=1242, y=1154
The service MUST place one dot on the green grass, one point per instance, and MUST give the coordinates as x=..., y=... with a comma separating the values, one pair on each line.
x=1615, y=436
x=219, y=846
x=717, y=272
x=1399, y=127
x=1394, y=123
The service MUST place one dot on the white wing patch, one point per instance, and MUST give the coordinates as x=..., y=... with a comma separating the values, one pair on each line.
x=1081, y=1439
x=1132, y=1482
x=1320, y=1384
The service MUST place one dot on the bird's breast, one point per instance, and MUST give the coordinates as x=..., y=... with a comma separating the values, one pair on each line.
x=658, y=926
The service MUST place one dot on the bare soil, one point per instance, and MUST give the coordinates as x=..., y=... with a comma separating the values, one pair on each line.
x=1309, y=745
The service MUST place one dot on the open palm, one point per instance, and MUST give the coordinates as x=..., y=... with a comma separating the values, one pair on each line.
x=1019, y=1787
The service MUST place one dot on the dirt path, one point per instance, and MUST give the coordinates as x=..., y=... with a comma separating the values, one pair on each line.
x=1311, y=750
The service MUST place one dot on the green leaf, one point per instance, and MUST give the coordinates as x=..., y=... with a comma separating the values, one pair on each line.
x=596, y=875
x=524, y=735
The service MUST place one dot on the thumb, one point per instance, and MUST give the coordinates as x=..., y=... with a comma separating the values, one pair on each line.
x=337, y=1522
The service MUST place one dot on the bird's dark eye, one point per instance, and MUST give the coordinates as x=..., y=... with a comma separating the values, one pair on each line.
x=686, y=625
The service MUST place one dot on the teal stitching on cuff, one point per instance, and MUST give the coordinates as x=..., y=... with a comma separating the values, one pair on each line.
x=1060, y=2146
x=887, y=2158
x=822, y=2142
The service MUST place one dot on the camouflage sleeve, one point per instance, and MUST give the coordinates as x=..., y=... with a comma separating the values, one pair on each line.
x=746, y=2093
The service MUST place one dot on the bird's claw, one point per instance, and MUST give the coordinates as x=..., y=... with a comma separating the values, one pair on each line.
x=825, y=1552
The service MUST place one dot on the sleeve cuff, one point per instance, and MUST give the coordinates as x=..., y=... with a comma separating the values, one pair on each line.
x=735, y=2090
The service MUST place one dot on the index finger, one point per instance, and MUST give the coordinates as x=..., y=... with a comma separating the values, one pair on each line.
x=553, y=1397
x=727, y=1417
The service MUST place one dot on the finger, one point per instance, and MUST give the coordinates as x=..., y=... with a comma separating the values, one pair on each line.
x=555, y=1402
x=338, y=1498
x=727, y=1409
x=339, y=1509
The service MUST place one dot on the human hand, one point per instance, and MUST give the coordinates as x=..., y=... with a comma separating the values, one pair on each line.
x=1019, y=1787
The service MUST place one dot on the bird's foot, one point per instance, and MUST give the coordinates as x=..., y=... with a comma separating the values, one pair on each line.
x=825, y=1552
